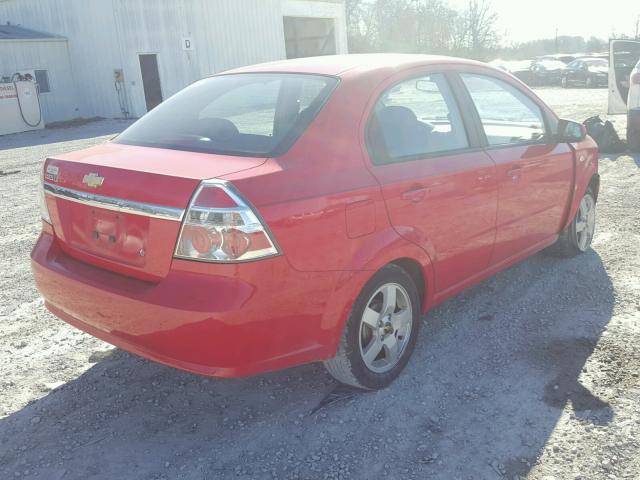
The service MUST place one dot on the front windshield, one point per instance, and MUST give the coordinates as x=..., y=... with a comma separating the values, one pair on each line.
x=250, y=114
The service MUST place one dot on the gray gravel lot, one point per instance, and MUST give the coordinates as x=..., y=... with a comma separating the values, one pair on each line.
x=532, y=374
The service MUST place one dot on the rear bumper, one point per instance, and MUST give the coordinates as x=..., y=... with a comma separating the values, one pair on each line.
x=215, y=320
x=596, y=80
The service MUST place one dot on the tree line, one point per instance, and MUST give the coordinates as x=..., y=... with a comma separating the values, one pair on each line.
x=433, y=26
x=422, y=26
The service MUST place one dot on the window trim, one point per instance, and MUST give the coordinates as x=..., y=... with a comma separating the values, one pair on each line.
x=546, y=139
x=473, y=141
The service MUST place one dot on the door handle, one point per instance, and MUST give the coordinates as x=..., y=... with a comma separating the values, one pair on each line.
x=415, y=194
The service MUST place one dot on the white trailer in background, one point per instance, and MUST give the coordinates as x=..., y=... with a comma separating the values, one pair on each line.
x=624, y=86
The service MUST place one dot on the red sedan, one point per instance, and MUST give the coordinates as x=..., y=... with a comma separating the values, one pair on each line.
x=309, y=210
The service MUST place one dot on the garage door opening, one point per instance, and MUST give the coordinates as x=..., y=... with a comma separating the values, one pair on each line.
x=151, y=80
x=309, y=37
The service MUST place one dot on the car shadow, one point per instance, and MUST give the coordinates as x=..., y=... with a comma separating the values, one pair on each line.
x=497, y=370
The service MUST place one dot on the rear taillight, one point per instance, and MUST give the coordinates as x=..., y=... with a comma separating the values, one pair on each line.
x=221, y=226
x=44, y=210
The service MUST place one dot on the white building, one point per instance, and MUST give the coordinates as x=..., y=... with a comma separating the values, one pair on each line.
x=113, y=58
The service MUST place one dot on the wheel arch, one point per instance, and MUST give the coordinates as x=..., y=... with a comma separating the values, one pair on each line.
x=400, y=252
x=416, y=272
x=585, y=176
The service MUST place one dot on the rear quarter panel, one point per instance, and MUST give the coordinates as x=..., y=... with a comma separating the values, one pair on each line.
x=322, y=204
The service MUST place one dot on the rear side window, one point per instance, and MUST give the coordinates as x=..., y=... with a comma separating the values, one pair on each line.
x=415, y=119
x=244, y=114
x=508, y=116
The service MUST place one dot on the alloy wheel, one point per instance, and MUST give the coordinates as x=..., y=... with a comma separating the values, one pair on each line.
x=585, y=222
x=385, y=328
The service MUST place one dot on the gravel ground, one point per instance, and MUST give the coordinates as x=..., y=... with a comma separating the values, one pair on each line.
x=532, y=374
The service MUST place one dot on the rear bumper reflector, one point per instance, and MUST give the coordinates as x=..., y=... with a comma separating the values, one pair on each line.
x=115, y=204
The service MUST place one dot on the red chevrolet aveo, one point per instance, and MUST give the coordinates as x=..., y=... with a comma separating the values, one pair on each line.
x=309, y=210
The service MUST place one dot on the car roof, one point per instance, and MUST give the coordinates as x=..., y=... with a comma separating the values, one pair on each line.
x=338, y=65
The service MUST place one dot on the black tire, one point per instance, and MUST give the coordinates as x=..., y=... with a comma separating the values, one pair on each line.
x=348, y=366
x=567, y=244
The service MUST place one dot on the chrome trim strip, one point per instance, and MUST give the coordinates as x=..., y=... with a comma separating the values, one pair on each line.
x=115, y=204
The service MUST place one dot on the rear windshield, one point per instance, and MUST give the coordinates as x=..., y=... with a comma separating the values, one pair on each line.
x=244, y=114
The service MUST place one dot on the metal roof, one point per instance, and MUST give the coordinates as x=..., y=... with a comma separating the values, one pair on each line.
x=15, y=32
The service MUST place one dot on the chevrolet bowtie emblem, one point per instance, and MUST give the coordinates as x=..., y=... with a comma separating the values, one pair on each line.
x=92, y=180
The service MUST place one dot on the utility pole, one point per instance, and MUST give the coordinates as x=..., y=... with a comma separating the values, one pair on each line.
x=556, y=41
x=637, y=36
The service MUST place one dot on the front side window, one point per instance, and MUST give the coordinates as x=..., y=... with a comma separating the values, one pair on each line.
x=508, y=116
x=245, y=114
x=414, y=119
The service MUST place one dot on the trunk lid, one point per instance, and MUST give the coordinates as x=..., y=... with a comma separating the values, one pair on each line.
x=120, y=207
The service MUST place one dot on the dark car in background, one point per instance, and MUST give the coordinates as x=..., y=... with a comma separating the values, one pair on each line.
x=521, y=69
x=587, y=71
x=546, y=71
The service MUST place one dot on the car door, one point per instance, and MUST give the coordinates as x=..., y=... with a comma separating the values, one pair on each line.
x=576, y=72
x=568, y=72
x=534, y=173
x=623, y=57
x=582, y=72
x=438, y=186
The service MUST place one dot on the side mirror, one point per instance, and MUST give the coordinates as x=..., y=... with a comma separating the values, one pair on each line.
x=570, y=131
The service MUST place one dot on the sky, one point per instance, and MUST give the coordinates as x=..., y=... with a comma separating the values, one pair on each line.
x=519, y=21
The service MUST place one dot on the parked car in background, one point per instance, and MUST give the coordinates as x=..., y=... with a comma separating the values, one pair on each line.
x=565, y=58
x=624, y=86
x=309, y=210
x=521, y=69
x=587, y=72
x=546, y=71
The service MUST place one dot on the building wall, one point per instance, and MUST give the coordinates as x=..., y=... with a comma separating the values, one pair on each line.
x=225, y=34
x=62, y=102
x=104, y=35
